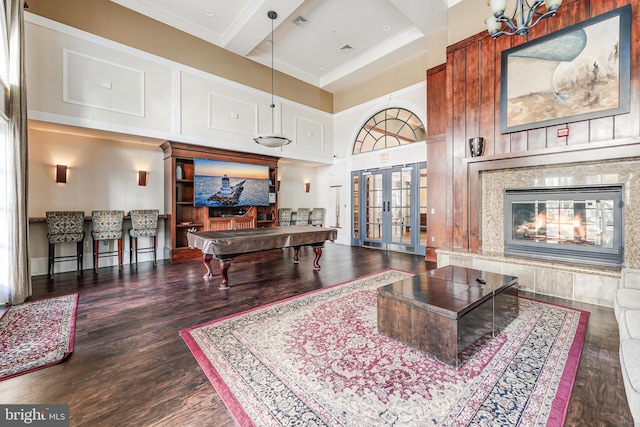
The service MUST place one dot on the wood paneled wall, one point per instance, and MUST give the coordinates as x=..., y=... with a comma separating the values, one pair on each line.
x=472, y=108
x=439, y=202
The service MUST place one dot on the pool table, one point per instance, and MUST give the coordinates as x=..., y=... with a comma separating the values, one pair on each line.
x=225, y=245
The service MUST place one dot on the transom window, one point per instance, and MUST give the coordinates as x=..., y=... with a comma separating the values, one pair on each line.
x=389, y=128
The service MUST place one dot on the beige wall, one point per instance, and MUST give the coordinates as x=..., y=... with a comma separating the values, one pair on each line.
x=292, y=192
x=102, y=174
x=467, y=18
x=404, y=74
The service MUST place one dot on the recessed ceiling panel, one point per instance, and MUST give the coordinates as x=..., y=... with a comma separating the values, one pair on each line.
x=208, y=20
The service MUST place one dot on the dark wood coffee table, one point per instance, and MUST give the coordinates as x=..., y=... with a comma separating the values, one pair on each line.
x=445, y=311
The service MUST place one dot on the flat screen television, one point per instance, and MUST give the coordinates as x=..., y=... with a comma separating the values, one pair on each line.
x=228, y=184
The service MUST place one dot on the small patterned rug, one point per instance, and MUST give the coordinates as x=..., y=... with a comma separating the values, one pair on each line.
x=37, y=334
x=318, y=359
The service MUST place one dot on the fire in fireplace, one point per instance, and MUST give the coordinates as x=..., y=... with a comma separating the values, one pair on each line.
x=578, y=225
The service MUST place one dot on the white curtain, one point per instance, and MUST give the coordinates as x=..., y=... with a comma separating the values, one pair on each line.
x=19, y=276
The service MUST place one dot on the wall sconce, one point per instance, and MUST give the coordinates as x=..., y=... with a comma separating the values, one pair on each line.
x=61, y=173
x=307, y=186
x=476, y=146
x=142, y=178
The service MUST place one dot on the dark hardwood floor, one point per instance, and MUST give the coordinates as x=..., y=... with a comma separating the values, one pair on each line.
x=130, y=367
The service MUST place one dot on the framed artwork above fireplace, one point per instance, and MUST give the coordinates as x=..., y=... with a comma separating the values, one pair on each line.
x=579, y=73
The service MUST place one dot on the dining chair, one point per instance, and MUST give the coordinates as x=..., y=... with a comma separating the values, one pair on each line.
x=63, y=227
x=106, y=225
x=284, y=216
x=144, y=223
x=302, y=216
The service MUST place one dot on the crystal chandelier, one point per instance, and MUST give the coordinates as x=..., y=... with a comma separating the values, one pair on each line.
x=272, y=139
x=524, y=16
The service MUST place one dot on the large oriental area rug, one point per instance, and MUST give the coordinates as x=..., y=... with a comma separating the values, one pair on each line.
x=318, y=359
x=36, y=334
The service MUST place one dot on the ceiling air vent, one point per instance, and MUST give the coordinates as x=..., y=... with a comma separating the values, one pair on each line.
x=301, y=21
x=346, y=48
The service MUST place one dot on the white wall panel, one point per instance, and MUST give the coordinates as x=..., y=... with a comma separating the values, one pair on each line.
x=310, y=130
x=92, y=82
x=217, y=115
x=232, y=115
x=308, y=134
x=65, y=75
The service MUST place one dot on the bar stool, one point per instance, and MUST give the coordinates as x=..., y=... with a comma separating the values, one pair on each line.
x=317, y=217
x=144, y=223
x=107, y=225
x=284, y=216
x=62, y=227
x=302, y=217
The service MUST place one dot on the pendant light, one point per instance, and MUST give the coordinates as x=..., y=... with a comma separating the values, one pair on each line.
x=272, y=139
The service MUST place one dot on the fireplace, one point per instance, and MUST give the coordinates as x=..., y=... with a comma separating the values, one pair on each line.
x=577, y=225
x=577, y=276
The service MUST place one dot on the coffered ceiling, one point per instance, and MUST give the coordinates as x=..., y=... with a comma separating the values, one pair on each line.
x=327, y=43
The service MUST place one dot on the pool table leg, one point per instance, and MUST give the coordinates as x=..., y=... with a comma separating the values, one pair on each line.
x=223, y=265
x=206, y=260
x=316, y=262
x=316, y=249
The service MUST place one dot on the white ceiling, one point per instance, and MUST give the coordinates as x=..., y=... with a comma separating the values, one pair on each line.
x=380, y=32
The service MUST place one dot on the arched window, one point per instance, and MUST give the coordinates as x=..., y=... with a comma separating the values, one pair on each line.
x=389, y=128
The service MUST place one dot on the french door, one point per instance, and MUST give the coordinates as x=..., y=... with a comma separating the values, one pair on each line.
x=387, y=208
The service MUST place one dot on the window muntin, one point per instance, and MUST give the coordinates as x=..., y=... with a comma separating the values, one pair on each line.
x=392, y=127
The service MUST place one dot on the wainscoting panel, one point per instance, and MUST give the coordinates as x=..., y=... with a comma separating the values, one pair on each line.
x=232, y=115
x=308, y=133
x=93, y=82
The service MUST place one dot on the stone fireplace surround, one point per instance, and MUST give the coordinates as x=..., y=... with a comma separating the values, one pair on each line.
x=585, y=284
